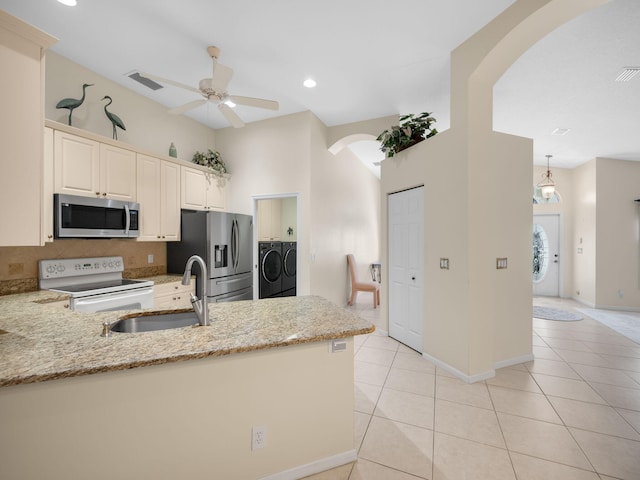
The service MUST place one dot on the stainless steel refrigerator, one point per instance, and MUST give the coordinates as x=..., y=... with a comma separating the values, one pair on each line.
x=224, y=241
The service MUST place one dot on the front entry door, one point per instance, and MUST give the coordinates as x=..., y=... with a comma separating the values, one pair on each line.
x=406, y=267
x=546, y=255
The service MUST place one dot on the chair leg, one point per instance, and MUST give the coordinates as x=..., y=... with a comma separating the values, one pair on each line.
x=354, y=294
x=375, y=301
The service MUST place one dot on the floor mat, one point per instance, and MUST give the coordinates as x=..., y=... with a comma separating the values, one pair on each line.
x=625, y=323
x=548, y=313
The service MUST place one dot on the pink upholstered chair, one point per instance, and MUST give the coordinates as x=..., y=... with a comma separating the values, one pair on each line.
x=357, y=286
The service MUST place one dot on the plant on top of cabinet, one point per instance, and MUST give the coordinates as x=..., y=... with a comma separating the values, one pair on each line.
x=212, y=160
x=412, y=129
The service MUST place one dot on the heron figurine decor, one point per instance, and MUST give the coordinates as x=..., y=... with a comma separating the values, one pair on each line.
x=113, y=118
x=73, y=103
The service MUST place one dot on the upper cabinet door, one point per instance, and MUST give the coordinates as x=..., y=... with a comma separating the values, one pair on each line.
x=76, y=165
x=93, y=169
x=117, y=173
x=194, y=189
x=170, y=201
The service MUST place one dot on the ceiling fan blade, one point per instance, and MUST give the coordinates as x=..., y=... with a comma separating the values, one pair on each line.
x=187, y=106
x=170, y=82
x=221, y=77
x=231, y=116
x=254, y=102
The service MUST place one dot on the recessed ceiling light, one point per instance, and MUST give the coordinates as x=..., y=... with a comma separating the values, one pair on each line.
x=309, y=83
x=627, y=74
x=560, y=131
x=68, y=3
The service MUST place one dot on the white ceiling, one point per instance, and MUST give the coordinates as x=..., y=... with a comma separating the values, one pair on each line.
x=371, y=58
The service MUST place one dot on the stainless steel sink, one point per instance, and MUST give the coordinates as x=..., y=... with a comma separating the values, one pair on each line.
x=150, y=323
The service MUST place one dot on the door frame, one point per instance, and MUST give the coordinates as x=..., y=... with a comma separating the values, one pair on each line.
x=256, y=266
x=388, y=278
x=561, y=252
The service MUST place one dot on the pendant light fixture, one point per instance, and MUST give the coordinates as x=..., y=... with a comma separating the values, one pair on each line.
x=547, y=186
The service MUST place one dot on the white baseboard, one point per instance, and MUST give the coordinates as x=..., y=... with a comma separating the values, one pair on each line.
x=480, y=376
x=462, y=376
x=315, y=467
x=514, y=361
x=584, y=302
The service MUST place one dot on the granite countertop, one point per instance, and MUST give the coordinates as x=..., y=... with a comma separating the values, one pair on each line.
x=41, y=342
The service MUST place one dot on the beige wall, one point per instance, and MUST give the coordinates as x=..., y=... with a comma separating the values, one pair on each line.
x=288, y=219
x=474, y=315
x=338, y=197
x=148, y=124
x=188, y=419
x=600, y=230
x=617, y=230
x=345, y=208
x=584, y=273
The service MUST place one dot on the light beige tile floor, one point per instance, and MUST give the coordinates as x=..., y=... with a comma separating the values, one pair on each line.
x=572, y=414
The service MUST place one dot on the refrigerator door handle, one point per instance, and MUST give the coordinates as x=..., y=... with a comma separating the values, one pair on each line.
x=234, y=244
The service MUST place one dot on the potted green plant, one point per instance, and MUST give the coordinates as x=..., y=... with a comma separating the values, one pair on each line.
x=212, y=160
x=412, y=129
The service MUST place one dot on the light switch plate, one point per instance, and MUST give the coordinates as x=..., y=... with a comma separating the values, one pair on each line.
x=501, y=263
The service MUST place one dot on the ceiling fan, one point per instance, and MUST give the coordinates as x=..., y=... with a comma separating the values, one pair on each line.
x=214, y=90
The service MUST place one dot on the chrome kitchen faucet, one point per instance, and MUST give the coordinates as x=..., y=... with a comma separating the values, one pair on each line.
x=200, y=305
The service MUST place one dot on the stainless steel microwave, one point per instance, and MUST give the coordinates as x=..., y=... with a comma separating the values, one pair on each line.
x=86, y=217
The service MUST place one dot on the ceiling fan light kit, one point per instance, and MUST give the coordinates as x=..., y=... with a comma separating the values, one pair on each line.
x=214, y=90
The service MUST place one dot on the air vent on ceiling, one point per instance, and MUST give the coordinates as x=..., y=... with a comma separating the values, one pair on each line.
x=627, y=74
x=560, y=131
x=145, y=81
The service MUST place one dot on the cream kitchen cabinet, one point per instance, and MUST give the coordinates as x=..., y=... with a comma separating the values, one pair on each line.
x=158, y=189
x=269, y=219
x=202, y=190
x=47, y=188
x=22, y=50
x=90, y=168
x=173, y=294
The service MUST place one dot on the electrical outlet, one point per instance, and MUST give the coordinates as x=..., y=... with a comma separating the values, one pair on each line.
x=258, y=437
x=150, y=258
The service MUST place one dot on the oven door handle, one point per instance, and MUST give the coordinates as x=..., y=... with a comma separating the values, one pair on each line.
x=127, y=223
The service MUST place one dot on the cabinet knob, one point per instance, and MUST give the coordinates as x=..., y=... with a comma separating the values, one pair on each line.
x=66, y=305
x=158, y=236
x=104, y=194
x=98, y=194
x=49, y=237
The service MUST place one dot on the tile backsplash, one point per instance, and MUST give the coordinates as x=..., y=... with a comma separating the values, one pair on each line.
x=19, y=265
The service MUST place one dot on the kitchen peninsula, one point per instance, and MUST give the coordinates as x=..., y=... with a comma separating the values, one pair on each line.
x=74, y=405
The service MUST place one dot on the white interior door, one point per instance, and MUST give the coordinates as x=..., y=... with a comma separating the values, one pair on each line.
x=406, y=271
x=546, y=255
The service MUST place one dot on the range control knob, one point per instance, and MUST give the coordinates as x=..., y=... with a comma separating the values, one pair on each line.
x=60, y=268
x=51, y=269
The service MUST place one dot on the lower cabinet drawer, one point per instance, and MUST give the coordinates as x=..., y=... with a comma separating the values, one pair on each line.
x=173, y=295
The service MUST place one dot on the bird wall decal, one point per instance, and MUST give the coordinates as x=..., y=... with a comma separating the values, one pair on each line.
x=73, y=103
x=113, y=118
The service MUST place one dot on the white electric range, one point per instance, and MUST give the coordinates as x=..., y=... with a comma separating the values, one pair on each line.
x=95, y=284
